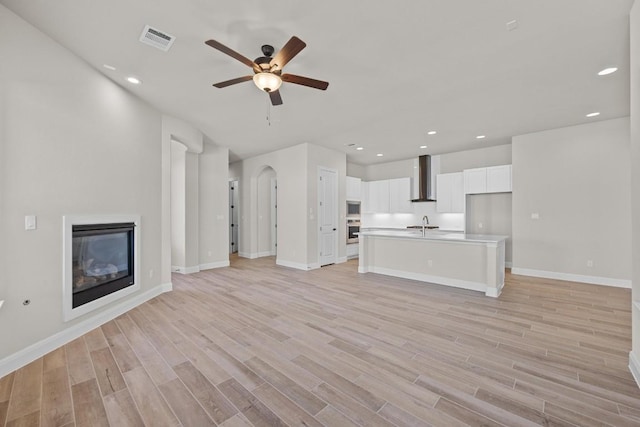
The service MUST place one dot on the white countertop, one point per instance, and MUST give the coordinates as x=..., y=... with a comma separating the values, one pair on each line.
x=435, y=235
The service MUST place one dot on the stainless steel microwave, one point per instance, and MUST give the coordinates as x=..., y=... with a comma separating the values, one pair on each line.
x=353, y=209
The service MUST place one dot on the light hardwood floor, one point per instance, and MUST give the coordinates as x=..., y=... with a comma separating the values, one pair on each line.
x=257, y=344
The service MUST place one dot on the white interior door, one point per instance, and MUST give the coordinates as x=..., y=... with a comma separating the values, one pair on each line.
x=328, y=215
x=274, y=216
x=233, y=217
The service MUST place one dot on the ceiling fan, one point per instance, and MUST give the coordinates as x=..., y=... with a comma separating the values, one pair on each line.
x=267, y=69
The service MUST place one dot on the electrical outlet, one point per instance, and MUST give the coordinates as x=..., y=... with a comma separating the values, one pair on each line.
x=590, y=263
x=430, y=263
x=535, y=215
x=150, y=274
x=480, y=225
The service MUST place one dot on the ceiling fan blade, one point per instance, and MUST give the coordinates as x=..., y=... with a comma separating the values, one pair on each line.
x=233, y=81
x=288, y=51
x=232, y=53
x=305, y=81
x=276, y=99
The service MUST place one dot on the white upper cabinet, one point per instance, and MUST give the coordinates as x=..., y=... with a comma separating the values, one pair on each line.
x=475, y=180
x=494, y=179
x=387, y=196
x=354, y=189
x=400, y=195
x=379, y=196
x=499, y=179
x=450, y=187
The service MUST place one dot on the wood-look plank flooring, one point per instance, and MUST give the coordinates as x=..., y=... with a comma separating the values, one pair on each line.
x=257, y=344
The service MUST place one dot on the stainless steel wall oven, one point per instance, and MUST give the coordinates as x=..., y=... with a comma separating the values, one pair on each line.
x=353, y=227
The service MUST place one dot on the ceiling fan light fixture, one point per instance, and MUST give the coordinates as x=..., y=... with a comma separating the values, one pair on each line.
x=267, y=82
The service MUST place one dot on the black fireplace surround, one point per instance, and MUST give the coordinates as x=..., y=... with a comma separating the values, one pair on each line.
x=103, y=260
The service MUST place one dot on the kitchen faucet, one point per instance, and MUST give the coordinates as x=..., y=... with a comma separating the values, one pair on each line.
x=425, y=222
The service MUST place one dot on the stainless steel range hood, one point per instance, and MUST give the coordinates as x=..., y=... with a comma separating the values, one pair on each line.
x=423, y=179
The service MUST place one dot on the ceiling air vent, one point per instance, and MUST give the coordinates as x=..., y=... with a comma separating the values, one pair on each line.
x=156, y=38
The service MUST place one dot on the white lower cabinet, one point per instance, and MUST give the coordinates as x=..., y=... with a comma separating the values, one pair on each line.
x=450, y=191
x=352, y=250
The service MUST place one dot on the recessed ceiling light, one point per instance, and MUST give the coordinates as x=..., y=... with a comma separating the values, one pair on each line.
x=134, y=80
x=379, y=154
x=480, y=137
x=606, y=71
x=109, y=67
x=423, y=146
x=512, y=25
x=595, y=113
x=360, y=148
x=431, y=132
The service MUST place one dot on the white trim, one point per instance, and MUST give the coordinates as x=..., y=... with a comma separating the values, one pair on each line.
x=39, y=349
x=336, y=219
x=594, y=280
x=264, y=254
x=438, y=280
x=185, y=270
x=508, y=264
x=296, y=265
x=213, y=265
x=342, y=259
x=634, y=367
x=68, y=221
x=494, y=292
x=250, y=255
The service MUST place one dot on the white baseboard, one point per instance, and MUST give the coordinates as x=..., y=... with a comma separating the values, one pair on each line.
x=296, y=265
x=634, y=367
x=494, y=292
x=213, y=265
x=341, y=260
x=593, y=280
x=508, y=264
x=39, y=349
x=263, y=254
x=185, y=270
x=249, y=255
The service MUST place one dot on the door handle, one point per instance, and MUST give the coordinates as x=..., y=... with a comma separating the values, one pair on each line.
x=334, y=229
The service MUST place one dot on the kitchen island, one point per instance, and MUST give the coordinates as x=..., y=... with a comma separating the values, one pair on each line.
x=469, y=261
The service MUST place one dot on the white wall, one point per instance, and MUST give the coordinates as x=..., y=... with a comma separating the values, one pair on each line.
x=72, y=142
x=478, y=158
x=263, y=183
x=192, y=209
x=578, y=180
x=213, y=203
x=635, y=184
x=355, y=170
x=178, y=205
x=290, y=166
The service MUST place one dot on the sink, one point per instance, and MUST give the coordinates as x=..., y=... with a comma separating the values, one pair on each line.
x=419, y=227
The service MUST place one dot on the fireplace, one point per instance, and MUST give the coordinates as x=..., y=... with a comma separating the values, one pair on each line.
x=100, y=261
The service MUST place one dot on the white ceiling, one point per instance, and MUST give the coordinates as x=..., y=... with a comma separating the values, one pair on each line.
x=396, y=69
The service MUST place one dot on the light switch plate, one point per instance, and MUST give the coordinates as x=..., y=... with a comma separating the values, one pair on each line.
x=30, y=222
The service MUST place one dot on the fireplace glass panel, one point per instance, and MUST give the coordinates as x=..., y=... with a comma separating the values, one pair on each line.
x=102, y=259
